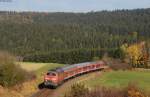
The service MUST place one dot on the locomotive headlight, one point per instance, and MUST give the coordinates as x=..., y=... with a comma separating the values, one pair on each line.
x=54, y=79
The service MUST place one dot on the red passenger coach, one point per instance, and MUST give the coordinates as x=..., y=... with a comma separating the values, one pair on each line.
x=58, y=76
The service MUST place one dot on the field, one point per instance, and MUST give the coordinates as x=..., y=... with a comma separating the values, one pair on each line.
x=113, y=78
x=29, y=66
x=117, y=79
x=122, y=78
x=109, y=79
x=39, y=67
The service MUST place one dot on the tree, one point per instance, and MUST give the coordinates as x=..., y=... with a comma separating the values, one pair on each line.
x=43, y=37
x=137, y=55
x=10, y=73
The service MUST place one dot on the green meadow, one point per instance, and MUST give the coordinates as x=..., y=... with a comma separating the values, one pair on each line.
x=122, y=79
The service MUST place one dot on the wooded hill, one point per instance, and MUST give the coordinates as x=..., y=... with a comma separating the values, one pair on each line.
x=71, y=37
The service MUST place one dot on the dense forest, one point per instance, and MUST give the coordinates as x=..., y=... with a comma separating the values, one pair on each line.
x=71, y=37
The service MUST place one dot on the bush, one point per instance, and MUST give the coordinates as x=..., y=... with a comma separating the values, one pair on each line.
x=120, y=66
x=107, y=92
x=78, y=90
x=134, y=91
x=10, y=73
x=117, y=53
x=116, y=64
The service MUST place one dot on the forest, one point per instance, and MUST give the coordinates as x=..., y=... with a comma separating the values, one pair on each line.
x=71, y=37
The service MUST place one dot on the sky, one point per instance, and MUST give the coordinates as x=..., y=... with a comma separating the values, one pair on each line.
x=71, y=5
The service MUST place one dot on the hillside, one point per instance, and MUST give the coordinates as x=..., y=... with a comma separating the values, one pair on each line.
x=68, y=37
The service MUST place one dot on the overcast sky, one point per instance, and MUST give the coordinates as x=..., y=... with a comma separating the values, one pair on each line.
x=71, y=5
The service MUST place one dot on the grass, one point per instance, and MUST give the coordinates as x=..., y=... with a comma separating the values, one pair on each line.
x=47, y=67
x=117, y=79
x=121, y=79
x=30, y=66
x=39, y=69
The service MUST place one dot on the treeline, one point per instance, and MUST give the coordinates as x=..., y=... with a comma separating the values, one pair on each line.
x=71, y=37
x=69, y=56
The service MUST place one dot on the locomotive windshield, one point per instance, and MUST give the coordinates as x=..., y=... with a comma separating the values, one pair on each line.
x=51, y=73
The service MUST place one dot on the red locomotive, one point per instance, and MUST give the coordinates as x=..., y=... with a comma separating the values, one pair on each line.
x=58, y=76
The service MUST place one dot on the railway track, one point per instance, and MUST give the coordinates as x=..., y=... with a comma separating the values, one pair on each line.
x=43, y=93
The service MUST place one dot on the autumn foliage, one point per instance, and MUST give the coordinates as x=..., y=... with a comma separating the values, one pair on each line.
x=10, y=73
x=136, y=54
x=77, y=90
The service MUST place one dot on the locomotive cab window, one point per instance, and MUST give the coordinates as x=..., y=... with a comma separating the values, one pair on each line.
x=51, y=74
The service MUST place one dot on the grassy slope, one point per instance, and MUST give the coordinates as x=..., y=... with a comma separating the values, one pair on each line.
x=29, y=87
x=110, y=79
x=40, y=69
x=31, y=66
x=122, y=78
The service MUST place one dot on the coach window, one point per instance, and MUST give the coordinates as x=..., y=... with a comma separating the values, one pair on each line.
x=98, y=65
x=84, y=67
x=93, y=66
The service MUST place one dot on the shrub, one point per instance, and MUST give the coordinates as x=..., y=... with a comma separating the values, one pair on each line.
x=78, y=90
x=117, y=53
x=10, y=73
x=120, y=66
x=107, y=92
x=134, y=91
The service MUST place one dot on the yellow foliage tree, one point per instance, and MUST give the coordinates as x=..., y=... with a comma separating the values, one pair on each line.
x=137, y=54
x=134, y=53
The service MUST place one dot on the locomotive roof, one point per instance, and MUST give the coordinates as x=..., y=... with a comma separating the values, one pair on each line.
x=75, y=65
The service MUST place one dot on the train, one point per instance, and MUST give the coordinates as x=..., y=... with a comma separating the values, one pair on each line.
x=58, y=76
